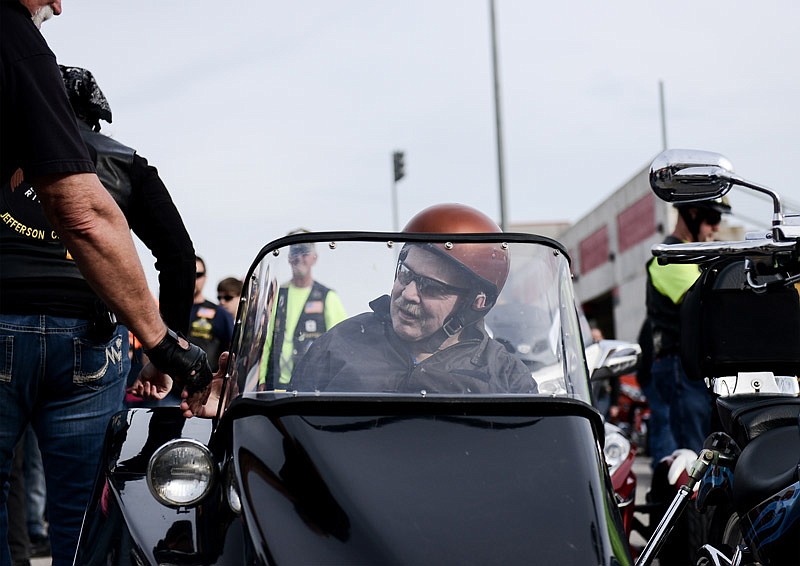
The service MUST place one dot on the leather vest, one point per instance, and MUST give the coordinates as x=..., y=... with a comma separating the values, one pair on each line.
x=29, y=246
x=310, y=325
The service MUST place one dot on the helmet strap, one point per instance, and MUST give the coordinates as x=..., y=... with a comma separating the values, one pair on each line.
x=464, y=313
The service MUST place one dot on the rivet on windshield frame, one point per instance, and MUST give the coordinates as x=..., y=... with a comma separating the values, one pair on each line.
x=423, y=393
x=276, y=253
x=390, y=244
x=504, y=245
x=556, y=253
x=448, y=245
x=332, y=245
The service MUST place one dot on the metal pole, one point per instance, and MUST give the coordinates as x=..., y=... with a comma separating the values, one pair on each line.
x=663, y=115
x=396, y=222
x=498, y=121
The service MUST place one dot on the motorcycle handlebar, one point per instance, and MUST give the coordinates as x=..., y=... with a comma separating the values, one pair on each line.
x=701, y=252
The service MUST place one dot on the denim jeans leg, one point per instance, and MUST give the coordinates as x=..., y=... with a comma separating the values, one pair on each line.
x=693, y=412
x=689, y=403
x=85, y=381
x=34, y=486
x=21, y=354
x=662, y=441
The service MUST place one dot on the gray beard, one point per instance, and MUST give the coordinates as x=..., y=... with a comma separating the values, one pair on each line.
x=42, y=14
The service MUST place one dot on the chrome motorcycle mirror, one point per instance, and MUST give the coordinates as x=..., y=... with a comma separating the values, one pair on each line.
x=683, y=175
x=691, y=175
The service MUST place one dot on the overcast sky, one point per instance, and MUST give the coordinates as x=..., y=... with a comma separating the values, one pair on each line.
x=264, y=116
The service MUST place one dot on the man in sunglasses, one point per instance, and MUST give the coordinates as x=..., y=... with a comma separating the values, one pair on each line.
x=211, y=326
x=680, y=408
x=428, y=333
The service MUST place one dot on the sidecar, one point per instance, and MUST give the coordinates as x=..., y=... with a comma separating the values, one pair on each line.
x=445, y=468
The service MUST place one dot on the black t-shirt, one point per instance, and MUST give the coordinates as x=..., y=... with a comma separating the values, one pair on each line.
x=39, y=135
x=38, y=130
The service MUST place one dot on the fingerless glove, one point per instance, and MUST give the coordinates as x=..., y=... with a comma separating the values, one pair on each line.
x=184, y=362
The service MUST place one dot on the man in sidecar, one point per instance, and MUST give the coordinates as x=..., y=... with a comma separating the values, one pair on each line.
x=428, y=334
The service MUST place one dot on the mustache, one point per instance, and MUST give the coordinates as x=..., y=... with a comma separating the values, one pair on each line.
x=413, y=309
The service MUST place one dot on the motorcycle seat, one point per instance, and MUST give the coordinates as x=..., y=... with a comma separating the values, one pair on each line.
x=746, y=417
x=766, y=466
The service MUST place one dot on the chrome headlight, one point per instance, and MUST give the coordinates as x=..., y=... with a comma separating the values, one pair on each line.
x=616, y=448
x=181, y=472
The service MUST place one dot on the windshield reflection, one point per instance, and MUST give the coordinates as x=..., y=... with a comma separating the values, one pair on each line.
x=467, y=316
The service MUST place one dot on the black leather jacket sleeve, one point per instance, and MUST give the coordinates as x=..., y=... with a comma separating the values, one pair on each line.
x=154, y=218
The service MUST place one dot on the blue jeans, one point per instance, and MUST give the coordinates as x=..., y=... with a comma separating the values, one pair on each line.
x=690, y=403
x=68, y=387
x=36, y=492
x=659, y=431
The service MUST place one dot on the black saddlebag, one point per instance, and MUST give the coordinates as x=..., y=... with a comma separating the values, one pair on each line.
x=726, y=327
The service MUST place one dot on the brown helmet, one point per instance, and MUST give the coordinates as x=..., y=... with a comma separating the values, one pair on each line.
x=486, y=262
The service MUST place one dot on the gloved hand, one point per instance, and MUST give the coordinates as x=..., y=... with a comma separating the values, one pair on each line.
x=182, y=360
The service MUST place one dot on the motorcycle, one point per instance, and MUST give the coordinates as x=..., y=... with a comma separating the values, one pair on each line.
x=633, y=415
x=740, y=332
x=608, y=360
x=298, y=473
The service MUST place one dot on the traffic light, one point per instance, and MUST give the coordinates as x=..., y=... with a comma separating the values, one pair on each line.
x=399, y=165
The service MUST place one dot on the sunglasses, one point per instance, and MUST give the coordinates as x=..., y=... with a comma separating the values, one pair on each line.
x=200, y=274
x=712, y=217
x=426, y=287
x=225, y=298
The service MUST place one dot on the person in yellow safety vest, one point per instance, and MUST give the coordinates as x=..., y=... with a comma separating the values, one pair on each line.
x=680, y=408
x=305, y=309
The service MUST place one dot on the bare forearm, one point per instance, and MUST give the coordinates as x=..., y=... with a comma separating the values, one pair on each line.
x=96, y=233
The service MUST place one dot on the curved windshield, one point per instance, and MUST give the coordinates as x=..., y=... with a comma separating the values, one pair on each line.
x=343, y=313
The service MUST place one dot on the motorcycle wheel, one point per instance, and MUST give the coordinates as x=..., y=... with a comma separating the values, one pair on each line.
x=720, y=530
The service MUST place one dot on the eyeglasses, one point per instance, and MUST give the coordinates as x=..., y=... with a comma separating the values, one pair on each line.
x=200, y=274
x=426, y=287
x=295, y=257
x=225, y=298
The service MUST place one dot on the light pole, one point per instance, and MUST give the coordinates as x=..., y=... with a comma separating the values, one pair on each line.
x=498, y=121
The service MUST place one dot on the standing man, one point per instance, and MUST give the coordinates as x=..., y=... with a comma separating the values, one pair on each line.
x=682, y=406
x=69, y=393
x=211, y=326
x=138, y=190
x=306, y=308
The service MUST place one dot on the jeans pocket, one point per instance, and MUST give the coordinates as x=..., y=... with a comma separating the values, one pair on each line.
x=6, y=358
x=94, y=361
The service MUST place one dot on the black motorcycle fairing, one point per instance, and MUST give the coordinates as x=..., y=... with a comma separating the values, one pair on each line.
x=124, y=524
x=772, y=528
x=387, y=486
x=765, y=494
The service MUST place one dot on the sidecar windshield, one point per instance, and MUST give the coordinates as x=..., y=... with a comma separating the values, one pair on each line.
x=408, y=315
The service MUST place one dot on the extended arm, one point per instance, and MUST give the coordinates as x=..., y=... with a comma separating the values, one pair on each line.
x=156, y=221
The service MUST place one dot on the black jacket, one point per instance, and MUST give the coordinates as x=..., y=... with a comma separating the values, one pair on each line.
x=40, y=277
x=363, y=354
